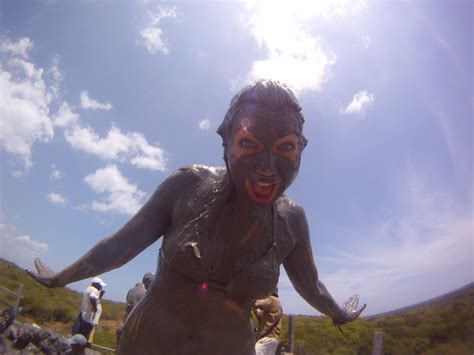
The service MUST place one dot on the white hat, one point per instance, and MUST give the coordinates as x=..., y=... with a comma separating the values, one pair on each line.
x=98, y=280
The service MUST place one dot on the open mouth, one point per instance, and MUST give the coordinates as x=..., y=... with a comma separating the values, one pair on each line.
x=262, y=192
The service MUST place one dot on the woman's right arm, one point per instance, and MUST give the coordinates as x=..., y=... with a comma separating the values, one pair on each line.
x=142, y=230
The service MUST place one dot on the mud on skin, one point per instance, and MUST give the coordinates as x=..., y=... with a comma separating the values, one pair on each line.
x=225, y=231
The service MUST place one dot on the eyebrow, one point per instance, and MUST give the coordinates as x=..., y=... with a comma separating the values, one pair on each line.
x=291, y=133
x=247, y=133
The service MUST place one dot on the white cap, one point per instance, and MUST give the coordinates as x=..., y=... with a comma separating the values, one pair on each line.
x=98, y=280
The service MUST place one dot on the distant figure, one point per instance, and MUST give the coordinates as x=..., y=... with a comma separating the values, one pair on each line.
x=136, y=293
x=91, y=309
x=268, y=312
x=78, y=344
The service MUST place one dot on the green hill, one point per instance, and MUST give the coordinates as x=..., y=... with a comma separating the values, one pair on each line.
x=444, y=326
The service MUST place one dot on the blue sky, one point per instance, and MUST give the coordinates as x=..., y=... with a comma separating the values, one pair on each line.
x=101, y=101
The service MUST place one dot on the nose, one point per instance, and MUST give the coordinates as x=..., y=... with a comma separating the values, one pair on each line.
x=266, y=164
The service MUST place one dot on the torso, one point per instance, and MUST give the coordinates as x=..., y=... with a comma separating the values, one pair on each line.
x=225, y=266
x=270, y=322
x=86, y=307
x=134, y=295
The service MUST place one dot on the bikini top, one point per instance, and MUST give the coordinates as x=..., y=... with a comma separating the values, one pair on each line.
x=254, y=276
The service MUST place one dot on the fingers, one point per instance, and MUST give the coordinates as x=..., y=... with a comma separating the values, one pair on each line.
x=356, y=313
x=44, y=274
x=352, y=303
x=352, y=309
x=39, y=265
x=346, y=304
x=43, y=269
x=362, y=308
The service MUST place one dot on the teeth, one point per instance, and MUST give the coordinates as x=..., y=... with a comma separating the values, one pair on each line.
x=263, y=184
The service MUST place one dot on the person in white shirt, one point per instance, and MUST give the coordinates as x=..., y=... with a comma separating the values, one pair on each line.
x=91, y=308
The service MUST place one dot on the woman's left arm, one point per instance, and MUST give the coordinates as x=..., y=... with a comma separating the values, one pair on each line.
x=301, y=269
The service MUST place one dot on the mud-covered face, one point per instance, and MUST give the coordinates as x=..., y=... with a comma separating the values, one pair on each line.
x=263, y=154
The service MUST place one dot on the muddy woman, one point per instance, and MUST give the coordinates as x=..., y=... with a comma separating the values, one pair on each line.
x=225, y=231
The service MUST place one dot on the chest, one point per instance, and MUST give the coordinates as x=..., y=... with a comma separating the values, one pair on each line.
x=235, y=241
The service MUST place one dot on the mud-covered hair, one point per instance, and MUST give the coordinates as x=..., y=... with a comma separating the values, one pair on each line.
x=270, y=95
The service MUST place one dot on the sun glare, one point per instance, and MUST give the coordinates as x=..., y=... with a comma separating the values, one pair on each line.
x=296, y=55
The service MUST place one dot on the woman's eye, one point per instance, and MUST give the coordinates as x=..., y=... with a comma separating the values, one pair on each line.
x=286, y=146
x=247, y=143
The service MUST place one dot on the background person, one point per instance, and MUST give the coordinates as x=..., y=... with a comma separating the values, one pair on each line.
x=78, y=344
x=269, y=324
x=91, y=309
x=136, y=293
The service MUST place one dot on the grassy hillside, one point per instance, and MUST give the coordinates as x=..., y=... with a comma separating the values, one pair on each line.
x=55, y=309
x=442, y=327
x=445, y=327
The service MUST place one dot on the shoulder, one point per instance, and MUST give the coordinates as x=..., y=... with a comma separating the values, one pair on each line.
x=293, y=225
x=182, y=183
x=138, y=285
x=197, y=183
x=275, y=302
x=138, y=290
x=197, y=180
x=91, y=291
x=199, y=171
x=194, y=173
x=289, y=210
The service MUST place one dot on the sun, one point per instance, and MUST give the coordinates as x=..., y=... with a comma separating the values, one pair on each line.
x=295, y=53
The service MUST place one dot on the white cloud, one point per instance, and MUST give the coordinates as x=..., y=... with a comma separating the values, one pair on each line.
x=152, y=34
x=26, y=240
x=57, y=199
x=90, y=104
x=56, y=74
x=122, y=196
x=65, y=116
x=20, y=249
x=132, y=147
x=56, y=174
x=366, y=41
x=18, y=49
x=205, y=124
x=27, y=94
x=24, y=103
x=295, y=57
x=359, y=103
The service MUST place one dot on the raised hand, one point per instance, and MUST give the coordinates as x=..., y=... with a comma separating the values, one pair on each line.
x=45, y=275
x=351, y=310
